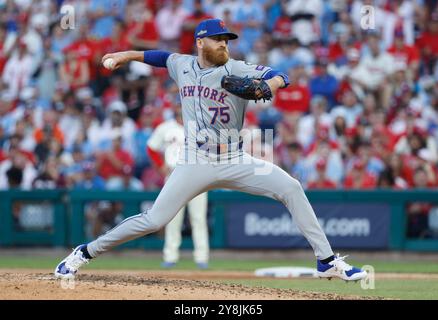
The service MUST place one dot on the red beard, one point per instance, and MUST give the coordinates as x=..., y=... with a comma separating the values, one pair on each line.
x=217, y=57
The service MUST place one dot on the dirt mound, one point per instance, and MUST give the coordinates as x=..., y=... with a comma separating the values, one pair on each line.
x=153, y=285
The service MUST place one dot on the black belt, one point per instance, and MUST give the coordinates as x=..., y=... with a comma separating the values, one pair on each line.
x=219, y=148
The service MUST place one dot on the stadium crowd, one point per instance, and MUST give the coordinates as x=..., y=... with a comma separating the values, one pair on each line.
x=361, y=111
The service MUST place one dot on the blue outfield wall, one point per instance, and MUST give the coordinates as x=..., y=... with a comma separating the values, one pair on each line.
x=351, y=219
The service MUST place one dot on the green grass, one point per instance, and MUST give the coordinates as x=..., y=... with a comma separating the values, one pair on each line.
x=387, y=288
x=138, y=263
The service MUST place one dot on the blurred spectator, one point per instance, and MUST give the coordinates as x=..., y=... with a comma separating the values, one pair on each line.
x=386, y=179
x=416, y=141
x=103, y=14
x=405, y=54
x=141, y=136
x=18, y=70
x=427, y=42
x=375, y=70
x=89, y=179
x=418, y=212
x=359, y=177
x=295, y=99
x=318, y=116
x=4, y=50
x=50, y=176
x=125, y=182
x=295, y=163
x=169, y=22
x=19, y=162
x=14, y=178
x=117, y=123
x=324, y=84
x=60, y=40
x=283, y=24
x=117, y=41
x=187, y=42
x=110, y=163
x=69, y=121
x=141, y=29
x=289, y=55
x=222, y=8
x=305, y=15
x=103, y=216
x=321, y=181
x=74, y=72
x=50, y=128
x=249, y=18
x=350, y=109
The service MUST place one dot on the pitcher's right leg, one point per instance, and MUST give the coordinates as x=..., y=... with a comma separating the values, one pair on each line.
x=185, y=182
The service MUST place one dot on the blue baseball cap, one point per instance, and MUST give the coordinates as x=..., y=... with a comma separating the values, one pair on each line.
x=213, y=27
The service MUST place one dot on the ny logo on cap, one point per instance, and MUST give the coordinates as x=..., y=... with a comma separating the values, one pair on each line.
x=222, y=24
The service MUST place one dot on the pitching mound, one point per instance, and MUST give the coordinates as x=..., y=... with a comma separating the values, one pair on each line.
x=152, y=285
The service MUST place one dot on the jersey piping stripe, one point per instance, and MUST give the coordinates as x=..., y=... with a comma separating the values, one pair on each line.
x=226, y=69
x=200, y=106
x=264, y=73
x=194, y=103
x=126, y=220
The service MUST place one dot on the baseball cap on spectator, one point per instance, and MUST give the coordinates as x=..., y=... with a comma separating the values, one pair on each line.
x=213, y=27
x=117, y=106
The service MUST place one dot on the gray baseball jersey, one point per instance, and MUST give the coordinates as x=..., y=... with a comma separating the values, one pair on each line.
x=215, y=111
x=210, y=113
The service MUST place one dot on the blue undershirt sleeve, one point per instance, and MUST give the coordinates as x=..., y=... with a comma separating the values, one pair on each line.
x=273, y=73
x=156, y=58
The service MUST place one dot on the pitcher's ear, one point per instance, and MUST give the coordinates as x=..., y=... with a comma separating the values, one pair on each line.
x=199, y=43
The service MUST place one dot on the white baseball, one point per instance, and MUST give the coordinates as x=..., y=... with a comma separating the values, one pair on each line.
x=109, y=63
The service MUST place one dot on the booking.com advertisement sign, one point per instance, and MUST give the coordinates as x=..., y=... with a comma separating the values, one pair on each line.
x=348, y=225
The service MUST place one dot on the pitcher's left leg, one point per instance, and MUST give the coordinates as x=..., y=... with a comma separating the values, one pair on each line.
x=277, y=184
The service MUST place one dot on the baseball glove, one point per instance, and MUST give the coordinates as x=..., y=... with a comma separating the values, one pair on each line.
x=247, y=88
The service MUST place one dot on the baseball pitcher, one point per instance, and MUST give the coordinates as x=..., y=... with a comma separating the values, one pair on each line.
x=215, y=91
